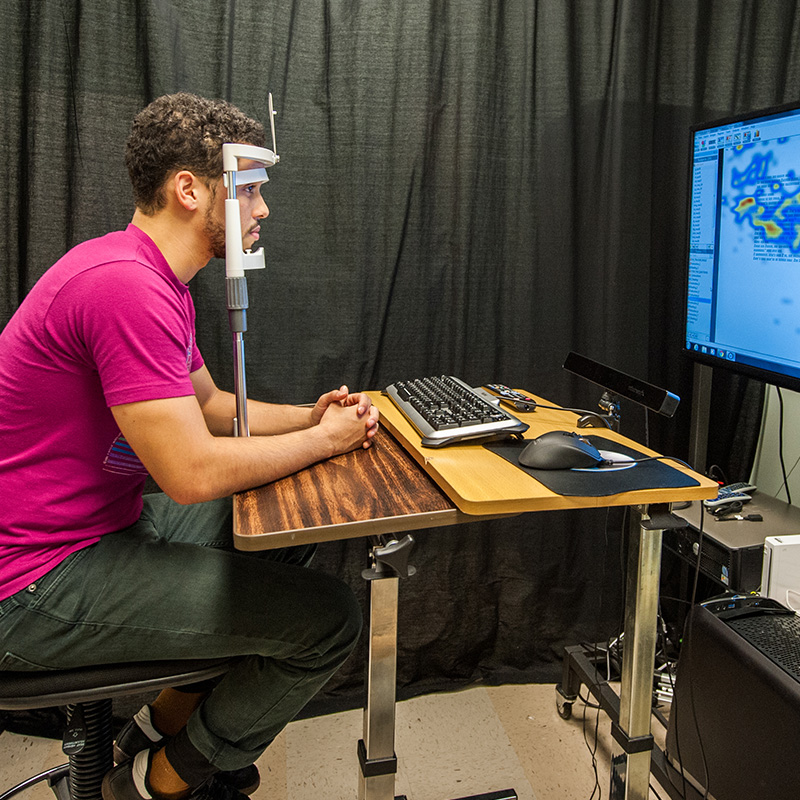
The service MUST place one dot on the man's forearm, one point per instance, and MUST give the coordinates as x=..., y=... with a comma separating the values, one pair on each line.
x=264, y=419
x=175, y=441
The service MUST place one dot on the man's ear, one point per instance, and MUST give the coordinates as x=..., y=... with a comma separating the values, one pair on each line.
x=187, y=189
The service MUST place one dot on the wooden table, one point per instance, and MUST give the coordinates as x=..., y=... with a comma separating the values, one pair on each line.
x=398, y=486
x=364, y=493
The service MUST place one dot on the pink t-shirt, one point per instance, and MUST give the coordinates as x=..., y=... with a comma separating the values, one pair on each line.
x=108, y=324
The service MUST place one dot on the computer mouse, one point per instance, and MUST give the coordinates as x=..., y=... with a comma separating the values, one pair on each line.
x=560, y=450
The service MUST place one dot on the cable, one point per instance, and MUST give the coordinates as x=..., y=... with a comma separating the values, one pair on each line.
x=581, y=412
x=733, y=507
x=672, y=686
x=676, y=599
x=791, y=471
x=700, y=533
x=598, y=684
x=623, y=569
x=653, y=790
x=741, y=518
x=646, y=458
x=785, y=485
x=588, y=703
x=593, y=753
x=687, y=637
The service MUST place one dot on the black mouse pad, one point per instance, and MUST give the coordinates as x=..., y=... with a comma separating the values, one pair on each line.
x=598, y=482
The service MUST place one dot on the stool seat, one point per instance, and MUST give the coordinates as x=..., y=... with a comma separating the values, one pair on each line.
x=24, y=690
x=87, y=693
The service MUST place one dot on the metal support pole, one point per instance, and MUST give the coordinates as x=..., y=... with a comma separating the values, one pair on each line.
x=376, y=755
x=630, y=757
x=242, y=424
x=378, y=761
x=376, y=750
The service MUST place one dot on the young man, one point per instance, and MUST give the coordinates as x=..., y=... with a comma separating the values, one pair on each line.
x=101, y=383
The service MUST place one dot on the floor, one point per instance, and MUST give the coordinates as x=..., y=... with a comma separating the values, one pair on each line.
x=448, y=746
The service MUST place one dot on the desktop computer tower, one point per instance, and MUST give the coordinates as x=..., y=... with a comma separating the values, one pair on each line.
x=731, y=553
x=734, y=725
x=730, y=562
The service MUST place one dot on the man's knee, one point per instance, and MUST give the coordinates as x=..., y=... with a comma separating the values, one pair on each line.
x=350, y=614
x=336, y=614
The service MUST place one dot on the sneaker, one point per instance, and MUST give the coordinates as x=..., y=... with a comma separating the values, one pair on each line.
x=245, y=780
x=216, y=789
x=140, y=734
x=128, y=781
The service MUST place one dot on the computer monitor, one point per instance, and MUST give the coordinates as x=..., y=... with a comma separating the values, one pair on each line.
x=743, y=260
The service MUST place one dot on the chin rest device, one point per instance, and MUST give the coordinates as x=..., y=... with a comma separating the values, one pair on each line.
x=87, y=693
x=236, y=260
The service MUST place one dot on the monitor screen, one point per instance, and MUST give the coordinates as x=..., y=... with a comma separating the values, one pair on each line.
x=743, y=276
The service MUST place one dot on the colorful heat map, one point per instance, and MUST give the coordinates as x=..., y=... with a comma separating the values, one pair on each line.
x=765, y=202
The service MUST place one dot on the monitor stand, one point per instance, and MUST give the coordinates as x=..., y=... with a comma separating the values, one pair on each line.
x=701, y=410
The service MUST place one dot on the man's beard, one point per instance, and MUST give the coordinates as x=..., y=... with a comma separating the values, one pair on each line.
x=215, y=230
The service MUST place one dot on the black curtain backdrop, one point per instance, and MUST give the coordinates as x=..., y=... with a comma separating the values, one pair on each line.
x=466, y=186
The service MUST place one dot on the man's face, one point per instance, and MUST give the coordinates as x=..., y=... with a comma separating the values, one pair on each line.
x=252, y=209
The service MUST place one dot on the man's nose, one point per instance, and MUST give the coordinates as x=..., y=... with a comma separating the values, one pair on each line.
x=261, y=210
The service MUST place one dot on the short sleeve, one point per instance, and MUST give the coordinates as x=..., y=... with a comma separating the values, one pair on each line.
x=131, y=324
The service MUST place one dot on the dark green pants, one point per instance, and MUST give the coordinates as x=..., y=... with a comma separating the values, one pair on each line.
x=171, y=586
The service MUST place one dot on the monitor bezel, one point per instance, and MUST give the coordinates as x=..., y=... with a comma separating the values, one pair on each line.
x=759, y=373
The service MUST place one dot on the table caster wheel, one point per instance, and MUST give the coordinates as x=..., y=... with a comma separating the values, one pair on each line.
x=564, y=703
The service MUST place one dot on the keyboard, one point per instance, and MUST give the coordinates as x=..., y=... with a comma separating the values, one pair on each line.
x=445, y=410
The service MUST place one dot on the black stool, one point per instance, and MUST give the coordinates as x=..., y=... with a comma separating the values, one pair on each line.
x=87, y=694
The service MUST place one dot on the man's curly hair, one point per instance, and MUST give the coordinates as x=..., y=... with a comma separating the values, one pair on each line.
x=182, y=131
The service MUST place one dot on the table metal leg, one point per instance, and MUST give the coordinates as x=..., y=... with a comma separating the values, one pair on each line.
x=630, y=757
x=376, y=749
x=376, y=754
x=389, y=563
